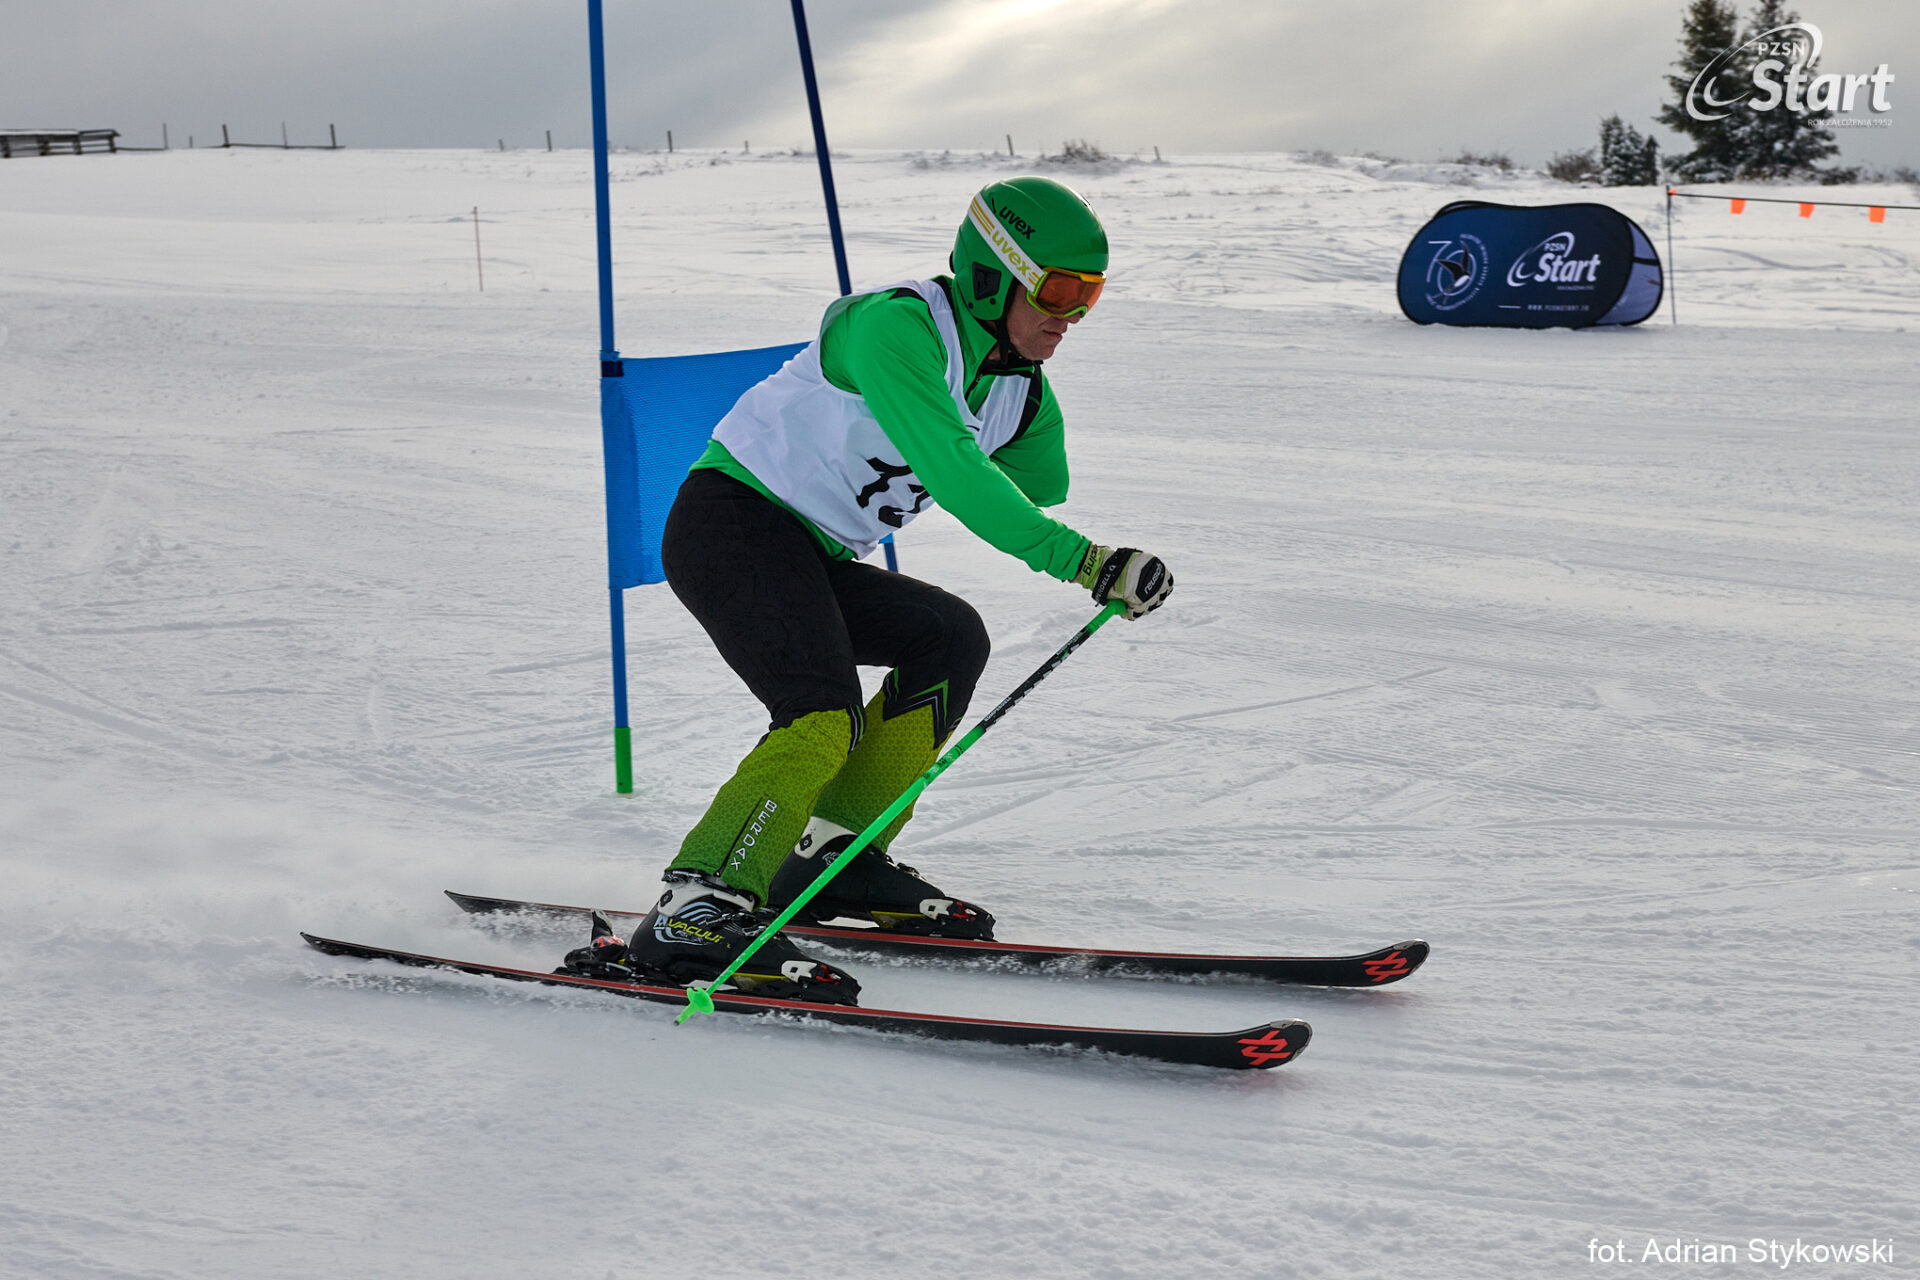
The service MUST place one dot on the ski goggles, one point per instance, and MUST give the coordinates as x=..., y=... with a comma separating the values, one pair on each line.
x=1053, y=291
x=1066, y=293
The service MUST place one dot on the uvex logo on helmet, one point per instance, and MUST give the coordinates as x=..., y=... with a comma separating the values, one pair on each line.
x=1552, y=262
x=1013, y=221
x=995, y=233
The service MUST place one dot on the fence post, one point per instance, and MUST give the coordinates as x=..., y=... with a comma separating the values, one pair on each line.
x=333, y=139
x=669, y=142
x=477, y=268
x=549, y=139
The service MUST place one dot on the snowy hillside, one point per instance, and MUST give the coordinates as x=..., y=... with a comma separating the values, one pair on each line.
x=1593, y=658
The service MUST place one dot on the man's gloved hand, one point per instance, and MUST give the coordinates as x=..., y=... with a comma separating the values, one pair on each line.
x=1129, y=575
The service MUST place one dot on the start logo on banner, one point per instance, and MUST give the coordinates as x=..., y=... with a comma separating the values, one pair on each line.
x=1552, y=262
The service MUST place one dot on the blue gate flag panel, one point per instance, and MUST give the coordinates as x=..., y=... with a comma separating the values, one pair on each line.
x=656, y=416
x=1546, y=266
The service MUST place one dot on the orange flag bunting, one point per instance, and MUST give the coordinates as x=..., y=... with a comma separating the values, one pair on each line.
x=1876, y=213
x=1739, y=206
x=1806, y=210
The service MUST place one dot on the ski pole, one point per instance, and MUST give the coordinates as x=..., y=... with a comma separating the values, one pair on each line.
x=700, y=999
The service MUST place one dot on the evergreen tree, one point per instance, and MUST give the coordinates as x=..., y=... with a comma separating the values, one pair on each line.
x=1627, y=159
x=1780, y=142
x=1709, y=29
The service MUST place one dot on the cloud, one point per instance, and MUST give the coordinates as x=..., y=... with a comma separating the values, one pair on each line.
x=1399, y=76
x=1419, y=80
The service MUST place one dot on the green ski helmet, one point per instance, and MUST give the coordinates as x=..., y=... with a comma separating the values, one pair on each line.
x=1020, y=229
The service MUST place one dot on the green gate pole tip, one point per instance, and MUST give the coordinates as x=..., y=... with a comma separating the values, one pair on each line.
x=623, y=760
x=699, y=1000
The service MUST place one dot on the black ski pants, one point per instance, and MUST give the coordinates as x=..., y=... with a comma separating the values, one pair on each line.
x=794, y=623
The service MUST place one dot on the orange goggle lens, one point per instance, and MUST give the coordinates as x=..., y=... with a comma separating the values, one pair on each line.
x=1067, y=293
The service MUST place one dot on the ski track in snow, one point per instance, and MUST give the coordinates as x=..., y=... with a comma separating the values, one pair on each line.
x=1588, y=656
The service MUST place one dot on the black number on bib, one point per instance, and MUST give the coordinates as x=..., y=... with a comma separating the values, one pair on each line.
x=885, y=474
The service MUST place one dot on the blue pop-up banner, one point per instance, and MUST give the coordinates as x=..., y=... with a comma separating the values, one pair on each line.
x=1560, y=265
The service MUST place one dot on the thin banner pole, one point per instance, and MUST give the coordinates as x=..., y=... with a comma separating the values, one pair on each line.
x=610, y=367
x=1673, y=298
x=700, y=999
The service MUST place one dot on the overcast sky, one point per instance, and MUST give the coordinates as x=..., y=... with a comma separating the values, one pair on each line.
x=1411, y=78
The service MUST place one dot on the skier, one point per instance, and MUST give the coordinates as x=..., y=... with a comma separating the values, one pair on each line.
x=927, y=392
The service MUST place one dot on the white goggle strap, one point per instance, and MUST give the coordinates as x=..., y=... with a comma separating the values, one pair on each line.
x=1024, y=269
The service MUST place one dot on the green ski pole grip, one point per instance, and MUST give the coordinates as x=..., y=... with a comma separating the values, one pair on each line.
x=700, y=999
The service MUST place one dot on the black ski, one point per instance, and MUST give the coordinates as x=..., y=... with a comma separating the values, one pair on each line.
x=1374, y=969
x=1268, y=1045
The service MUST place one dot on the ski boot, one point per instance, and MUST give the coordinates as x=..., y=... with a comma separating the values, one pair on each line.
x=873, y=887
x=694, y=932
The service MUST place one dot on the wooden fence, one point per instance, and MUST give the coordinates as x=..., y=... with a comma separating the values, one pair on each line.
x=74, y=142
x=56, y=142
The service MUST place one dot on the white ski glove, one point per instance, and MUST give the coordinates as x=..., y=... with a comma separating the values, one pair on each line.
x=1129, y=575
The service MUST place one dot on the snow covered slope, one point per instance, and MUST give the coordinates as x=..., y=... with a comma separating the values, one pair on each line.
x=1589, y=656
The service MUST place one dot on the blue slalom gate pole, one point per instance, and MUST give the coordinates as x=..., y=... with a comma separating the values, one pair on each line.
x=602, y=203
x=826, y=185
x=610, y=367
x=820, y=147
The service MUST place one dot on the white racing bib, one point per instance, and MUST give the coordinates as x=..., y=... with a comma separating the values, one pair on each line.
x=820, y=450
